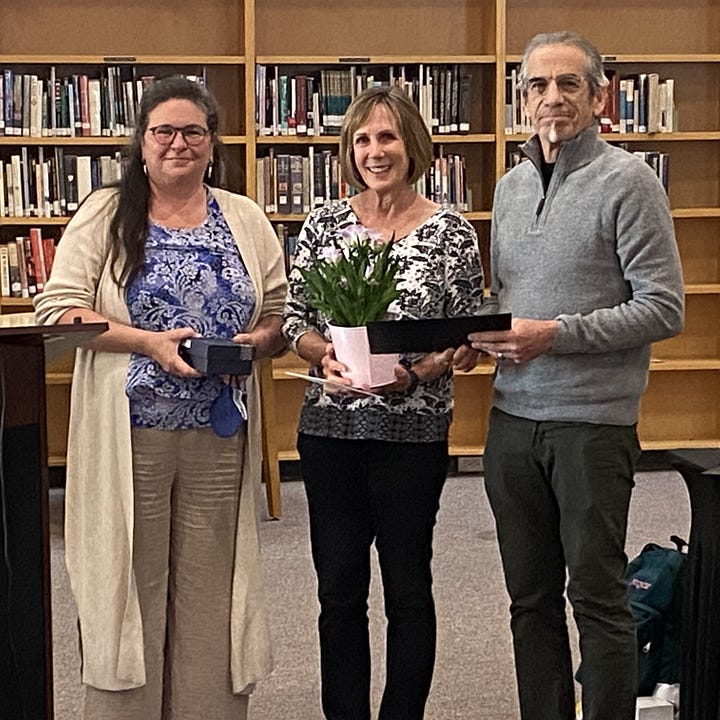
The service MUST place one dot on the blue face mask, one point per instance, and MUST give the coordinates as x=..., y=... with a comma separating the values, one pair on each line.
x=228, y=412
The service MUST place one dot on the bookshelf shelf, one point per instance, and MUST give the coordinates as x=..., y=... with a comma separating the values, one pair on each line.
x=301, y=140
x=666, y=365
x=704, y=212
x=375, y=59
x=231, y=38
x=34, y=221
x=16, y=304
x=707, y=289
x=122, y=60
x=56, y=141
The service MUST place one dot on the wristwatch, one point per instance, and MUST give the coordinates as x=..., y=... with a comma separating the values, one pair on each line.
x=414, y=380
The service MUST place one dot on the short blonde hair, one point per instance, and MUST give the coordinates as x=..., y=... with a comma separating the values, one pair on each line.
x=411, y=127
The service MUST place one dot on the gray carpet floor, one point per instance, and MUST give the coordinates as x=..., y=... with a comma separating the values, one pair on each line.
x=474, y=677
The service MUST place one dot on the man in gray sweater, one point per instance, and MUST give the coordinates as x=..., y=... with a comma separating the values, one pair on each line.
x=584, y=257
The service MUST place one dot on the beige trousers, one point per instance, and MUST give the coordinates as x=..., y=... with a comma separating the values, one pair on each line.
x=187, y=486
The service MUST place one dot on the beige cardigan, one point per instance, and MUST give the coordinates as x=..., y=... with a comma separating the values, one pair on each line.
x=99, y=490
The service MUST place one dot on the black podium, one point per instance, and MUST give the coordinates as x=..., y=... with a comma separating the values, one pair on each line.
x=700, y=673
x=26, y=691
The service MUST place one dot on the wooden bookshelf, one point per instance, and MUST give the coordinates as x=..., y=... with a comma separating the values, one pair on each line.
x=228, y=38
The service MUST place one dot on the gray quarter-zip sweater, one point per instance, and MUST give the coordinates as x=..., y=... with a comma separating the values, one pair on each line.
x=597, y=252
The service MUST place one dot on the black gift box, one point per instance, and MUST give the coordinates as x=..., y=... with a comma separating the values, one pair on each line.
x=217, y=356
x=431, y=334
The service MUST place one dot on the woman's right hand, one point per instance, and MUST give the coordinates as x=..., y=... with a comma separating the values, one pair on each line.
x=163, y=347
x=333, y=369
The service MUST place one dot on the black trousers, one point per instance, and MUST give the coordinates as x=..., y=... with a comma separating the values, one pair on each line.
x=560, y=492
x=360, y=492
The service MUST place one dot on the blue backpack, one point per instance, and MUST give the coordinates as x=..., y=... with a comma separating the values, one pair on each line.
x=655, y=581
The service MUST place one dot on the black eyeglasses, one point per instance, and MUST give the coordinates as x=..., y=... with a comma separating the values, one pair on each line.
x=192, y=134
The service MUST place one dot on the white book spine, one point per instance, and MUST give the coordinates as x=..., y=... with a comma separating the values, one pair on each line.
x=18, y=205
x=84, y=176
x=94, y=103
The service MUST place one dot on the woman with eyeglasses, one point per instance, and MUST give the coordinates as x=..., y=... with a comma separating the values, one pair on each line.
x=161, y=535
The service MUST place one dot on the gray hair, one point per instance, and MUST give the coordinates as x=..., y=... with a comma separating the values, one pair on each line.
x=594, y=72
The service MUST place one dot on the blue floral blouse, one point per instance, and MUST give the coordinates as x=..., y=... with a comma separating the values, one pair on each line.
x=192, y=278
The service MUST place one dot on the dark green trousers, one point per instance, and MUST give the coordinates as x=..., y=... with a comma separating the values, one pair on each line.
x=560, y=493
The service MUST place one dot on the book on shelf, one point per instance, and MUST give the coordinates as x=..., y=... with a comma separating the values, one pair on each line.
x=301, y=100
x=35, y=103
x=453, y=105
x=14, y=270
x=35, y=241
x=4, y=271
x=83, y=172
x=296, y=184
x=83, y=92
x=71, y=183
x=306, y=187
x=77, y=107
x=464, y=103
x=259, y=183
x=653, y=99
x=283, y=104
x=26, y=267
x=48, y=255
x=2, y=106
x=28, y=203
x=283, y=183
x=3, y=191
x=658, y=161
x=642, y=103
x=318, y=174
x=8, y=113
x=288, y=242
x=18, y=209
x=667, y=107
x=17, y=105
x=94, y=107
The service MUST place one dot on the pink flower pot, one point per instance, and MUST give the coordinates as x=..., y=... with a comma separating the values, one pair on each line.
x=364, y=369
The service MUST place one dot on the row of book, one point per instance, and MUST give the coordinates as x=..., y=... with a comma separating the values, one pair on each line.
x=658, y=161
x=25, y=264
x=293, y=184
x=52, y=182
x=76, y=105
x=314, y=102
x=288, y=242
x=641, y=103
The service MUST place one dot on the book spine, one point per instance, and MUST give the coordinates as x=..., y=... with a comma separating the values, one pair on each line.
x=4, y=271
x=3, y=191
x=14, y=270
x=48, y=255
x=283, y=183
x=23, y=268
x=642, y=103
x=17, y=186
x=36, y=248
x=296, y=184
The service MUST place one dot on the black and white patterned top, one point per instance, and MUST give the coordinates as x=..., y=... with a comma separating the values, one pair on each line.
x=440, y=276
